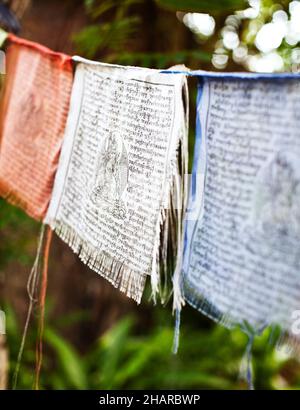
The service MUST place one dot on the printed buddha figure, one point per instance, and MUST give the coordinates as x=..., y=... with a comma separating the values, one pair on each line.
x=111, y=175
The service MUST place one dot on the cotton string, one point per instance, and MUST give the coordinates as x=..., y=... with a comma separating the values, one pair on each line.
x=246, y=372
x=176, y=331
x=44, y=283
x=31, y=290
x=249, y=375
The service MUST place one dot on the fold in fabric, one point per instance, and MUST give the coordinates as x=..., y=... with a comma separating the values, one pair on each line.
x=242, y=230
x=34, y=110
x=118, y=194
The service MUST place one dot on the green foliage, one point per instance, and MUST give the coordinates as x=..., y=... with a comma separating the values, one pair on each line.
x=126, y=357
x=113, y=34
x=113, y=29
x=163, y=60
x=129, y=357
x=247, y=27
x=105, y=36
x=69, y=361
x=209, y=357
x=203, y=6
x=16, y=232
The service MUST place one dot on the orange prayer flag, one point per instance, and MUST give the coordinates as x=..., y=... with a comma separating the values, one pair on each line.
x=34, y=108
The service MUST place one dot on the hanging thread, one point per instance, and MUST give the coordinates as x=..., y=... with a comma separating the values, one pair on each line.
x=32, y=284
x=176, y=331
x=249, y=375
x=43, y=292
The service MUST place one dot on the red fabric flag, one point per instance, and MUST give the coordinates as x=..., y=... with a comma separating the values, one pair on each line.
x=34, y=108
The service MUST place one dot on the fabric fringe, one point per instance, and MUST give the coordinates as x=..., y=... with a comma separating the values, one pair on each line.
x=285, y=341
x=169, y=230
x=118, y=274
x=208, y=309
x=168, y=235
x=32, y=285
x=43, y=292
x=179, y=205
x=182, y=197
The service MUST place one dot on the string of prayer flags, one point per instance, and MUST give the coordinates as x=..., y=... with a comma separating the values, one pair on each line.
x=118, y=180
x=119, y=196
x=242, y=240
x=34, y=109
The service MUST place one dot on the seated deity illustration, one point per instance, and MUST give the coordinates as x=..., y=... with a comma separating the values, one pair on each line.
x=275, y=221
x=111, y=176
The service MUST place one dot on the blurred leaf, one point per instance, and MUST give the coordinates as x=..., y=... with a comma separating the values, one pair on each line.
x=120, y=5
x=160, y=60
x=203, y=6
x=113, y=343
x=157, y=346
x=72, y=318
x=69, y=359
x=112, y=35
x=12, y=326
x=17, y=233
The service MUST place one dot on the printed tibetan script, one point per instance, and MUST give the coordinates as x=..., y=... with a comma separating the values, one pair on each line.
x=242, y=261
x=116, y=170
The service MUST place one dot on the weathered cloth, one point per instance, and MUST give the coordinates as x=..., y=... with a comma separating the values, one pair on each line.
x=33, y=113
x=118, y=179
x=242, y=238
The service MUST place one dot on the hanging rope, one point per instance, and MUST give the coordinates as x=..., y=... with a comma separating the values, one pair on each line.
x=32, y=284
x=43, y=291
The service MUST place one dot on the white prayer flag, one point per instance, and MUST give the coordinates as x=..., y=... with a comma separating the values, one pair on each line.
x=118, y=180
x=242, y=238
